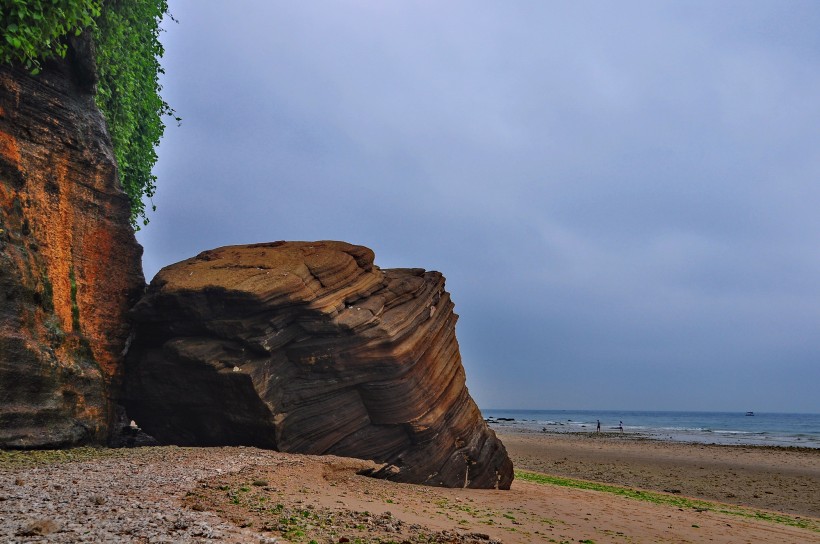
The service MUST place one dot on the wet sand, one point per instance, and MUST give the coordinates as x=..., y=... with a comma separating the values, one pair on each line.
x=780, y=479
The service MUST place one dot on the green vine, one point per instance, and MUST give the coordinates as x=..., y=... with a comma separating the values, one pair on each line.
x=126, y=38
x=33, y=29
x=128, y=53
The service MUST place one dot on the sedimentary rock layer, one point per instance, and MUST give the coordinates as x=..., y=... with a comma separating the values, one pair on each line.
x=69, y=263
x=310, y=348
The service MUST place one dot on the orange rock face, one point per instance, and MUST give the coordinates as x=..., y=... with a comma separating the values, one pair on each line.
x=311, y=348
x=69, y=263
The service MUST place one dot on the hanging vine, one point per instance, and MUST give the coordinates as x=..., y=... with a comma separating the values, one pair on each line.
x=126, y=36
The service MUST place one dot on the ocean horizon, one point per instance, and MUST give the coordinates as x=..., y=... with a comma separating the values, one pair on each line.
x=730, y=428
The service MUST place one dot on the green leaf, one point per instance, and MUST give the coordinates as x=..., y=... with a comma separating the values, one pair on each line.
x=126, y=35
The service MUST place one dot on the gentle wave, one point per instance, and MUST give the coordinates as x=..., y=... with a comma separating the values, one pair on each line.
x=701, y=427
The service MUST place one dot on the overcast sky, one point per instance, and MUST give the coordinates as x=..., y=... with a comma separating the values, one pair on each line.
x=623, y=196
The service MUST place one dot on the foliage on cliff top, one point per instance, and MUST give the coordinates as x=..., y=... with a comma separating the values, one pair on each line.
x=33, y=29
x=128, y=53
x=126, y=36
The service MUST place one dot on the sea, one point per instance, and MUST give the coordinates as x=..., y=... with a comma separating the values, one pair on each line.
x=737, y=428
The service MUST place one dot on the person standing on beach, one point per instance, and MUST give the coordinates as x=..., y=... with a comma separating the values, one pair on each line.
x=621, y=425
x=598, y=429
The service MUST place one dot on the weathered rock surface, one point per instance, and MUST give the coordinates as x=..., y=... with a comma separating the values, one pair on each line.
x=310, y=348
x=69, y=263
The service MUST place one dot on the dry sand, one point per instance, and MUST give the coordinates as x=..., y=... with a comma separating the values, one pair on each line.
x=249, y=495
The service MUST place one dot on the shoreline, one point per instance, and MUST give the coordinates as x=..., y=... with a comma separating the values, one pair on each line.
x=725, y=428
x=636, y=436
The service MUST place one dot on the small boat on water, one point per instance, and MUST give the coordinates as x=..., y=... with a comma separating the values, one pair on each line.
x=750, y=413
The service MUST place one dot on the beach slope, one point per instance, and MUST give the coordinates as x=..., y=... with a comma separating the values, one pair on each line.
x=249, y=495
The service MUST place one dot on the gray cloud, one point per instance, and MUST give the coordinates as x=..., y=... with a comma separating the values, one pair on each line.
x=622, y=196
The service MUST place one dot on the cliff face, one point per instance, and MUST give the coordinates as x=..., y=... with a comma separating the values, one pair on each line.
x=311, y=348
x=69, y=263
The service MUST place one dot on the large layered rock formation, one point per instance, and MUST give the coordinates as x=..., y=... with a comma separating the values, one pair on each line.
x=310, y=348
x=69, y=263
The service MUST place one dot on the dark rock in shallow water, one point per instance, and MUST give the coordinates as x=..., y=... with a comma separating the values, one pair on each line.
x=311, y=348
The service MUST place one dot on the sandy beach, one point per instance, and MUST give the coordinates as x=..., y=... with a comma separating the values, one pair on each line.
x=770, y=478
x=172, y=494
